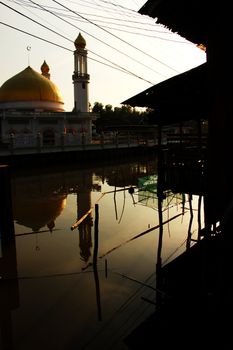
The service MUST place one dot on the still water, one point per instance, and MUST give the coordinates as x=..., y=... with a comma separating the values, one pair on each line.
x=86, y=242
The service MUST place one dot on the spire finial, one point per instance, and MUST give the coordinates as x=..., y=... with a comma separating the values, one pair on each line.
x=80, y=42
x=28, y=50
x=45, y=70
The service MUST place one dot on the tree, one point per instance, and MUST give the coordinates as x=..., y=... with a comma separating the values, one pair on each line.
x=108, y=108
x=118, y=116
x=98, y=107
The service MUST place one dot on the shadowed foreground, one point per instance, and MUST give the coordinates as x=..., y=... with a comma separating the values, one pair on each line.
x=197, y=310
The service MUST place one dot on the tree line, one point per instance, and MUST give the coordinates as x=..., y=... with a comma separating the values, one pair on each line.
x=109, y=116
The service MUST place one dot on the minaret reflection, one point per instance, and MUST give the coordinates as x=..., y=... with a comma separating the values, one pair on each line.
x=85, y=227
x=85, y=224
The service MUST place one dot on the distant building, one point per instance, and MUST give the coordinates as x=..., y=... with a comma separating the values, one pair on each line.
x=32, y=109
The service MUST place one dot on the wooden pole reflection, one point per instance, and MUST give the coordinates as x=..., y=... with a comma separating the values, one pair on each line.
x=188, y=242
x=95, y=255
x=160, y=185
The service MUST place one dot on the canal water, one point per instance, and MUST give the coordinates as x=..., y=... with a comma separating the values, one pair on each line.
x=85, y=254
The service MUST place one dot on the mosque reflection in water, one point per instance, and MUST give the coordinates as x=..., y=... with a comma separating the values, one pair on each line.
x=45, y=199
x=77, y=277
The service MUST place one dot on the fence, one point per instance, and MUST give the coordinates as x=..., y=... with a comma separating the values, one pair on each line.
x=65, y=141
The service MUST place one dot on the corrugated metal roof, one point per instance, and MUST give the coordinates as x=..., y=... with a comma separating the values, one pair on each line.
x=182, y=97
x=190, y=19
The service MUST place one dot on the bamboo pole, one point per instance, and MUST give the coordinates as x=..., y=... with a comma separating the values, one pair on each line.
x=139, y=235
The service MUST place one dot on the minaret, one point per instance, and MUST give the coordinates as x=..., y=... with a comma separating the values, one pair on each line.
x=45, y=70
x=80, y=76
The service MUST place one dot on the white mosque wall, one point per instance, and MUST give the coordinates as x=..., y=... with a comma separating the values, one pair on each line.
x=27, y=130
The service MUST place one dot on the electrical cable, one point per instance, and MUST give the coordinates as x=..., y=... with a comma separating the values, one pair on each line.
x=124, y=41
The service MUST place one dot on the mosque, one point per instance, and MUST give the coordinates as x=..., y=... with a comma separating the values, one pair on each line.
x=32, y=111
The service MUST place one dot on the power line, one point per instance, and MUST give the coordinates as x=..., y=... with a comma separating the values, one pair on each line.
x=33, y=20
x=97, y=15
x=97, y=5
x=27, y=7
x=123, y=70
x=119, y=67
x=103, y=42
x=115, y=24
x=35, y=36
x=57, y=2
x=146, y=35
x=117, y=5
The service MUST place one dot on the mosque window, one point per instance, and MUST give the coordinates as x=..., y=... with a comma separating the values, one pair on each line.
x=83, y=85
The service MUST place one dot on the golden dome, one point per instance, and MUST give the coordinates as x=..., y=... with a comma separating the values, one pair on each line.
x=80, y=42
x=30, y=86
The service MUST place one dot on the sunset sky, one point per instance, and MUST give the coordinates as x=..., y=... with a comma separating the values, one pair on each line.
x=127, y=52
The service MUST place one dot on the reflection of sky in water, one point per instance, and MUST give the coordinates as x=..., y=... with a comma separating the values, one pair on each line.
x=59, y=303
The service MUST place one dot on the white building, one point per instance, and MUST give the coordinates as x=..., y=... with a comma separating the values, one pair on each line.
x=31, y=107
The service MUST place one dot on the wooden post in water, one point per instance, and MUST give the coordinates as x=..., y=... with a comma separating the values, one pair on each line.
x=7, y=233
x=9, y=289
x=96, y=234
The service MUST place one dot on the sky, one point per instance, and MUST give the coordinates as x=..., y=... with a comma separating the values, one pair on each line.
x=127, y=52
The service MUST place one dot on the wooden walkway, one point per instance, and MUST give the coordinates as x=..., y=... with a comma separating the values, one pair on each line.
x=75, y=154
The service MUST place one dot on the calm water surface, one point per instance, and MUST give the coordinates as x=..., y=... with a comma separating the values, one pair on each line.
x=86, y=278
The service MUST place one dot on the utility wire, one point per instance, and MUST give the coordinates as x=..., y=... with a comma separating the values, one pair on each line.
x=114, y=24
x=33, y=20
x=57, y=2
x=53, y=31
x=112, y=47
x=35, y=36
x=123, y=70
x=117, y=5
x=119, y=67
x=28, y=8
x=26, y=4
x=146, y=35
x=98, y=5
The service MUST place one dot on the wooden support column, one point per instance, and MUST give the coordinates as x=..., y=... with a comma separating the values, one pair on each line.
x=219, y=196
x=9, y=289
x=6, y=213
